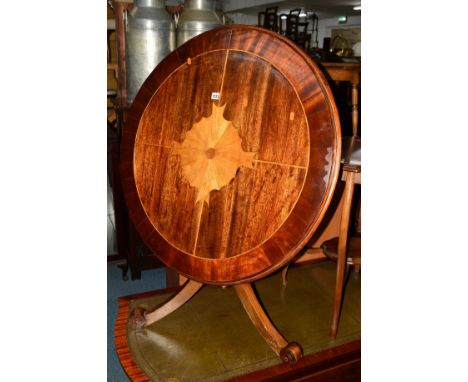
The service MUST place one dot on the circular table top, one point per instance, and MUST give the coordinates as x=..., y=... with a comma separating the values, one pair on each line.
x=230, y=154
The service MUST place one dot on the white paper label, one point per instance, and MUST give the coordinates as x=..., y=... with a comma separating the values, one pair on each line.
x=215, y=95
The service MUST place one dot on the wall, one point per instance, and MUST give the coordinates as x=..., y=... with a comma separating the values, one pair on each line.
x=233, y=5
x=242, y=18
x=325, y=26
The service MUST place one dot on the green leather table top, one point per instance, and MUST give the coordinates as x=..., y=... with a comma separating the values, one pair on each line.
x=210, y=338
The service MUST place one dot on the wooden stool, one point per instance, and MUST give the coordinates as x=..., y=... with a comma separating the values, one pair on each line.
x=343, y=249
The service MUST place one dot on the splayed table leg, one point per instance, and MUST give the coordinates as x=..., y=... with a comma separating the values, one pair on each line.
x=139, y=318
x=289, y=352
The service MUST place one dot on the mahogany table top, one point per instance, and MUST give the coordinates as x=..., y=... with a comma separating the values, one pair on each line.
x=230, y=155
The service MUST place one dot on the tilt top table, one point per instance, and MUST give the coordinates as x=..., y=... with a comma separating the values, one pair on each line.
x=229, y=158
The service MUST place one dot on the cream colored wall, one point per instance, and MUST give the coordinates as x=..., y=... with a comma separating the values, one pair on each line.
x=326, y=26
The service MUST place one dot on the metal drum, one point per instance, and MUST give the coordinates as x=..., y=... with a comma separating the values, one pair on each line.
x=150, y=37
x=197, y=17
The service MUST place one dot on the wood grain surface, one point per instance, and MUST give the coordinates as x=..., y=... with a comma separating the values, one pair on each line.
x=282, y=155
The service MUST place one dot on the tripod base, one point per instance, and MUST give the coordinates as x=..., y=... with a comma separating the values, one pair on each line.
x=289, y=352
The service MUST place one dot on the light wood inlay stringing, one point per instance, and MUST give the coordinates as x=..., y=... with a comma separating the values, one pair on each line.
x=212, y=152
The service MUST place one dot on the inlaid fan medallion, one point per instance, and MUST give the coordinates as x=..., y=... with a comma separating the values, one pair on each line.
x=211, y=154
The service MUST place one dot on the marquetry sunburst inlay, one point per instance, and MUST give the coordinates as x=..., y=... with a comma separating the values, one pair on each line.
x=211, y=153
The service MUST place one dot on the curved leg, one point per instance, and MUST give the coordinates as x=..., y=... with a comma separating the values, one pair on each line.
x=342, y=250
x=139, y=318
x=289, y=352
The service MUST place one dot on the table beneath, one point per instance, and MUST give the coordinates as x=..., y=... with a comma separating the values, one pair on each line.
x=349, y=72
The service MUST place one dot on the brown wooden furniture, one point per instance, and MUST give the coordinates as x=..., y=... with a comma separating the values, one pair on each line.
x=113, y=157
x=335, y=242
x=119, y=9
x=229, y=158
x=269, y=19
x=295, y=11
x=136, y=255
x=302, y=38
x=295, y=30
x=292, y=21
x=340, y=363
x=330, y=227
x=350, y=72
x=345, y=249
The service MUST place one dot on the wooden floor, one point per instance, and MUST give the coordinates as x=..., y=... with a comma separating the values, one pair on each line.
x=211, y=339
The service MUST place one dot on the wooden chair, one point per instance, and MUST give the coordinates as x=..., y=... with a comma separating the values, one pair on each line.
x=270, y=20
x=343, y=249
x=292, y=22
x=302, y=38
x=295, y=11
x=281, y=28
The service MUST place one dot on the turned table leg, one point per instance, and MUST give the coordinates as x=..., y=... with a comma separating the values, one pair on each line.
x=355, y=108
x=342, y=251
x=139, y=318
x=289, y=352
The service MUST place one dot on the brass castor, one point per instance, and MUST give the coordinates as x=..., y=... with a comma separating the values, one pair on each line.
x=137, y=318
x=291, y=353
